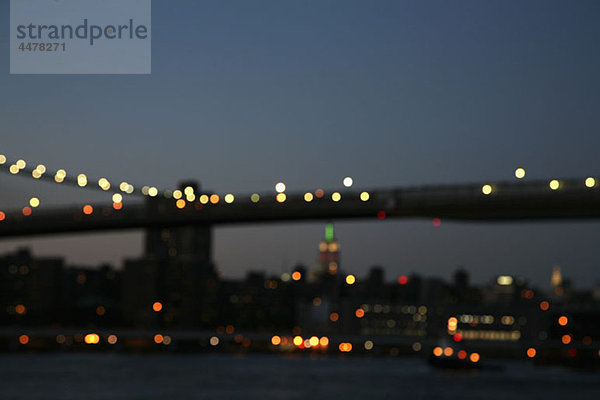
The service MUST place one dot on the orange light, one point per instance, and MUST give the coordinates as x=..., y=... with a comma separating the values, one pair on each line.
x=158, y=338
x=334, y=316
x=100, y=310
x=359, y=313
x=2, y=216
x=319, y=193
x=275, y=340
x=27, y=211
x=544, y=306
x=88, y=209
x=437, y=351
x=20, y=309
x=324, y=341
x=296, y=275
x=157, y=306
x=531, y=352
x=562, y=320
x=112, y=339
x=214, y=198
x=298, y=340
x=229, y=329
x=345, y=347
x=118, y=206
x=448, y=351
x=23, y=339
x=566, y=339
x=91, y=338
x=281, y=197
x=180, y=203
x=474, y=357
x=461, y=354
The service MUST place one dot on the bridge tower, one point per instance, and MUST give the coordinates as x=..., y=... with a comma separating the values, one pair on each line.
x=177, y=271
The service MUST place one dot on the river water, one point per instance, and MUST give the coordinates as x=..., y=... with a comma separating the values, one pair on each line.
x=123, y=376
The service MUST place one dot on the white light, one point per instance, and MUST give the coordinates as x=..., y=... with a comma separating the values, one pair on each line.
x=280, y=187
x=348, y=181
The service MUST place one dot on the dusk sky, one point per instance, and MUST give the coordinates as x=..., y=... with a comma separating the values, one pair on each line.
x=393, y=93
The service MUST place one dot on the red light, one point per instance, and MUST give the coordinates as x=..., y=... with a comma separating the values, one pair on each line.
x=437, y=222
x=27, y=211
x=457, y=337
x=381, y=214
x=402, y=279
x=462, y=354
x=2, y=216
x=572, y=352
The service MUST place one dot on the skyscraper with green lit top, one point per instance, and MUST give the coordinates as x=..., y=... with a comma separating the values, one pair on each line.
x=329, y=254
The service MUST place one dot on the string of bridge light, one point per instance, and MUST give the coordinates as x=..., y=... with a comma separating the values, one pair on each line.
x=81, y=180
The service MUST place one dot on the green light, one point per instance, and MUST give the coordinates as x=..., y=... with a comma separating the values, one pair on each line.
x=329, y=232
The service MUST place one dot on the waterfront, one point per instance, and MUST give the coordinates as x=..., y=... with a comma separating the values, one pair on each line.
x=121, y=376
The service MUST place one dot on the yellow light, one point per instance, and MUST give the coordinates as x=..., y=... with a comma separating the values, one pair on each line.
x=190, y=197
x=298, y=340
x=21, y=164
x=153, y=192
x=104, y=183
x=364, y=196
x=255, y=197
x=229, y=198
x=335, y=196
x=177, y=194
x=130, y=189
x=2, y=159
x=554, y=184
x=308, y=197
x=275, y=340
x=34, y=202
x=590, y=182
x=280, y=187
x=145, y=190
x=486, y=189
x=82, y=180
x=36, y=174
x=61, y=173
x=350, y=279
x=14, y=169
x=41, y=168
x=314, y=341
x=123, y=186
x=519, y=173
x=281, y=197
x=204, y=199
x=91, y=338
x=117, y=198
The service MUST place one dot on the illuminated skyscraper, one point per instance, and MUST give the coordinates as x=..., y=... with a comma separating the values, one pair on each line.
x=329, y=253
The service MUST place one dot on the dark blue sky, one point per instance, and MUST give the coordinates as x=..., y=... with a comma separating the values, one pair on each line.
x=244, y=94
